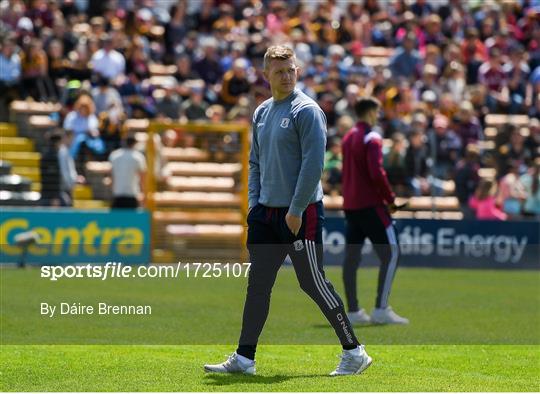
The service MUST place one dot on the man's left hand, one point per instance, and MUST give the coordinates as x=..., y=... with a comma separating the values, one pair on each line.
x=294, y=223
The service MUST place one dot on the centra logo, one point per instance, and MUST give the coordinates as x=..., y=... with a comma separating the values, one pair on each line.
x=90, y=240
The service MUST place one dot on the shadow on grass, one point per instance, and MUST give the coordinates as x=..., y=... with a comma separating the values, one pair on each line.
x=215, y=379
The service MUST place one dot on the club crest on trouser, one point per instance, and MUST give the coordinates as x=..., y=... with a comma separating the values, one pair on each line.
x=285, y=122
x=298, y=245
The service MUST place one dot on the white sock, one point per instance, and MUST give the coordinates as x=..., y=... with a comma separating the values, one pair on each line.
x=355, y=351
x=243, y=360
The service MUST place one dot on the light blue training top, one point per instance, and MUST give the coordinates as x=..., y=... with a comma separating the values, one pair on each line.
x=287, y=153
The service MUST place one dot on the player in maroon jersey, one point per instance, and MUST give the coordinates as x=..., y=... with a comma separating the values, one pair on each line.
x=368, y=201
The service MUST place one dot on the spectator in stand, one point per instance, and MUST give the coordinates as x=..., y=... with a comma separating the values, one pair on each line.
x=428, y=83
x=308, y=85
x=533, y=140
x=433, y=34
x=137, y=97
x=184, y=73
x=406, y=60
x=468, y=128
x=10, y=74
x=68, y=172
x=454, y=81
x=237, y=51
x=517, y=71
x=534, y=112
x=512, y=192
x=492, y=75
x=327, y=102
x=106, y=98
x=345, y=106
x=467, y=178
x=483, y=202
x=235, y=83
x=79, y=62
x=533, y=91
x=333, y=162
x=394, y=163
x=444, y=148
x=411, y=25
x=343, y=125
x=83, y=122
x=416, y=164
x=194, y=108
x=353, y=68
x=474, y=53
x=433, y=57
x=137, y=60
x=335, y=54
x=513, y=152
x=107, y=61
x=501, y=40
x=51, y=192
x=111, y=129
x=531, y=183
x=128, y=175
x=448, y=106
x=419, y=123
x=175, y=30
x=24, y=31
x=168, y=102
x=207, y=65
x=60, y=32
x=58, y=67
x=34, y=64
x=421, y=8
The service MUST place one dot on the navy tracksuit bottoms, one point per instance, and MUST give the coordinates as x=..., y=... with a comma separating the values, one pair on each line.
x=269, y=242
x=374, y=223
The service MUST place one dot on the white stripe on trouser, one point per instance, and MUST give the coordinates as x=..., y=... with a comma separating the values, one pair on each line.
x=317, y=276
x=392, y=240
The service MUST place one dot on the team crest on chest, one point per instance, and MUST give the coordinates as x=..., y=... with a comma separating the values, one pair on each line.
x=285, y=122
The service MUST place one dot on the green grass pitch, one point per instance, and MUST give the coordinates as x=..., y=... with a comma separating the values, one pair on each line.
x=471, y=330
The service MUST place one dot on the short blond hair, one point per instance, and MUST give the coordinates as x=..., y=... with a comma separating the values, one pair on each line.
x=279, y=52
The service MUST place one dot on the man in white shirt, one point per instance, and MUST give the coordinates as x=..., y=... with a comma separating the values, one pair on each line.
x=107, y=61
x=128, y=175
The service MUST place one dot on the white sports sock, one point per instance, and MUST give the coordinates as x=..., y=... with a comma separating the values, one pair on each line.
x=243, y=360
x=354, y=352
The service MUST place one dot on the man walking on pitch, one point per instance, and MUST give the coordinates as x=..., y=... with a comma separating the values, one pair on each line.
x=368, y=201
x=286, y=213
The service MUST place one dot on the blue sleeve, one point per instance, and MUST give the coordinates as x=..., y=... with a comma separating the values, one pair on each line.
x=393, y=64
x=311, y=126
x=254, y=175
x=68, y=122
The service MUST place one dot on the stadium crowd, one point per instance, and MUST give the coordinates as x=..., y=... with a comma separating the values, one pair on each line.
x=440, y=69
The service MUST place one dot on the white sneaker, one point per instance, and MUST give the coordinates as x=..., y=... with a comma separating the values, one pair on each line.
x=233, y=365
x=359, y=317
x=353, y=362
x=387, y=316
